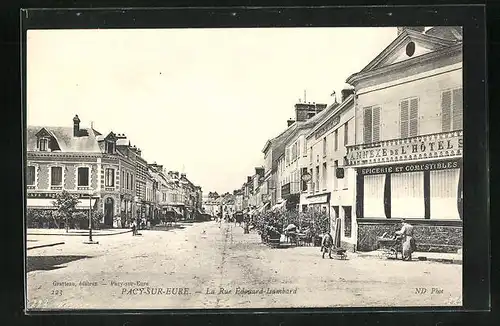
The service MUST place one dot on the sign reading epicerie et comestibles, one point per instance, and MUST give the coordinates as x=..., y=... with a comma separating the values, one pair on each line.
x=433, y=146
x=411, y=167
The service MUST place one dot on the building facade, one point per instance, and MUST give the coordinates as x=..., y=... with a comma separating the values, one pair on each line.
x=63, y=158
x=331, y=186
x=295, y=163
x=408, y=139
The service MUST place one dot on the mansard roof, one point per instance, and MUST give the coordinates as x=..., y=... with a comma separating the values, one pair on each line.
x=64, y=137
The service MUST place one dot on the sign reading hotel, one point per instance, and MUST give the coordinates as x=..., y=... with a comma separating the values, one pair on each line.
x=433, y=146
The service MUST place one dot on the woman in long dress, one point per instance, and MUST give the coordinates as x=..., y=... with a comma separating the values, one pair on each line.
x=407, y=240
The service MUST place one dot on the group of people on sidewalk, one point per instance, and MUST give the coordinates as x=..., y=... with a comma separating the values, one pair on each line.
x=404, y=235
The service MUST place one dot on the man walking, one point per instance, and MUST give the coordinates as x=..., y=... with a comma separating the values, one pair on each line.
x=327, y=245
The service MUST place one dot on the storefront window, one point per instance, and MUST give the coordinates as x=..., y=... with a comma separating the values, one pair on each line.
x=443, y=194
x=373, y=201
x=407, y=195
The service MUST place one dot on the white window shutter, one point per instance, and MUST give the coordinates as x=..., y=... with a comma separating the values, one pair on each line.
x=376, y=124
x=414, y=117
x=367, y=125
x=404, y=117
x=446, y=111
x=457, y=109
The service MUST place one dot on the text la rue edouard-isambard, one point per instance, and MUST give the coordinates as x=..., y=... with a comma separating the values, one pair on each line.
x=144, y=288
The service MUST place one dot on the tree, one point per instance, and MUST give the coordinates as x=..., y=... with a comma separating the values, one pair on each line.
x=66, y=205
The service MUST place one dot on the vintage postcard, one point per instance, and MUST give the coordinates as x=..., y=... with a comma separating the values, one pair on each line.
x=226, y=168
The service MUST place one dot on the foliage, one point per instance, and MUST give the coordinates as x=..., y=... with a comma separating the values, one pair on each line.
x=65, y=203
x=40, y=218
x=312, y=223
x=80, y=220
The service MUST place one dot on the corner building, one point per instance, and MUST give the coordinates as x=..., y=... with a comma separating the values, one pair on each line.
x=408, y=133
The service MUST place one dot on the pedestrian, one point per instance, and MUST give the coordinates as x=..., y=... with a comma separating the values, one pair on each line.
x=134, y=228
x=327, y=245
x=407, y=241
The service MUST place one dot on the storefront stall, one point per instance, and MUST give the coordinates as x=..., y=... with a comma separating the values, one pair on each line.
x=318, y=203
x=419, y=179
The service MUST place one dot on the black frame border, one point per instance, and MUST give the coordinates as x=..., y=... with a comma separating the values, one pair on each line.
x=476, y=267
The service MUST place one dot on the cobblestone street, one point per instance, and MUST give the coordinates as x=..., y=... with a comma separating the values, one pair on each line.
x=189, y=265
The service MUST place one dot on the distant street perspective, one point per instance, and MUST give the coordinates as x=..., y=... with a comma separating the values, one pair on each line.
x=212, y=265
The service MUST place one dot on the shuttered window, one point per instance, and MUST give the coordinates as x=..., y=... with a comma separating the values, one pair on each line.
x=409, y=117
x=404, y=117
x=346, y=133
x=457, y=109
x=367, y=127
x=452, y=110
x=376, y=124
x=336, y=135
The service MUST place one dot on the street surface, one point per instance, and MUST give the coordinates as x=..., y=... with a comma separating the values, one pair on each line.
x=202, y=265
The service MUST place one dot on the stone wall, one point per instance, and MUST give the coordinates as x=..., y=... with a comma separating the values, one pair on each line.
x=430, y=236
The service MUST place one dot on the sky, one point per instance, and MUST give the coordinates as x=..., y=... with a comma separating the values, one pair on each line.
x=199, y=101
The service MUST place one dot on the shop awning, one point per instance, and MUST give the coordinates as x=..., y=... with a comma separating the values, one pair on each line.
x=262, y=208
x=46, y=203
x=317, y=200
x=86, y=203
x=41, y=203
x=278, y=206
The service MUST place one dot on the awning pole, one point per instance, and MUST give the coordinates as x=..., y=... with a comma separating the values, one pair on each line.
x=90, y=222
x=90, y=218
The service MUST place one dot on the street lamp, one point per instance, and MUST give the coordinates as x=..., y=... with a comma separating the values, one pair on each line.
x=90, y=241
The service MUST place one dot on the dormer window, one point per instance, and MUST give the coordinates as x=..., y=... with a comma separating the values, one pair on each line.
x=110, y=147
x=43, y=144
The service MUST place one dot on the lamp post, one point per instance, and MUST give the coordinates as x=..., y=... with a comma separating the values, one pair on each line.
x=90, y=241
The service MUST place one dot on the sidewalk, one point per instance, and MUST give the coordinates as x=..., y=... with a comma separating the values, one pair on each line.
x=84, y=233
x=440, y=257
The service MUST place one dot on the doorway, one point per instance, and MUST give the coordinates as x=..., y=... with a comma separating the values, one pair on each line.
x=108, y=212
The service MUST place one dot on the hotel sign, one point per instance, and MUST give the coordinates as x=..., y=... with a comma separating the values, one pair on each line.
x=332, y=122
x=435, y=146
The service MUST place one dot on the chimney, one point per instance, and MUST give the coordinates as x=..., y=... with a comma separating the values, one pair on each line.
x=304, y=111
x=320, y=107
x=290, y=122
x=418, y=29
x=76, y=126
x=249, y=179
x=346, y=92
